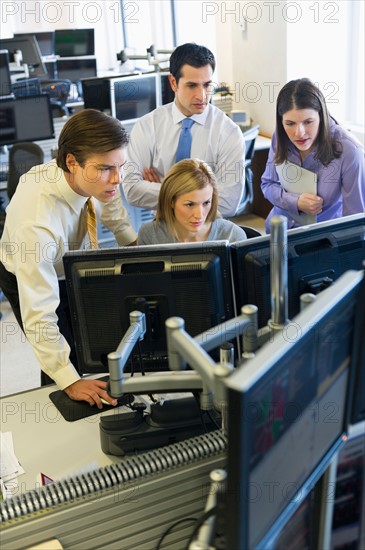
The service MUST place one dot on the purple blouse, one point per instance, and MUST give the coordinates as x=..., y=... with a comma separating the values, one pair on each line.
x=341, y=183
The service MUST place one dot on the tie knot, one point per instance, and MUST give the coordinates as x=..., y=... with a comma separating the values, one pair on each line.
x=187, y=123
x=90, y=205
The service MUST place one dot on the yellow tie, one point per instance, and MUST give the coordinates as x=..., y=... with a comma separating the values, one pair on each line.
x=91, y=224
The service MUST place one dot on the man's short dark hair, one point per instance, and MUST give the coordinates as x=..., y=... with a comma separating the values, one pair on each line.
x=89, y=132
x=190, y=54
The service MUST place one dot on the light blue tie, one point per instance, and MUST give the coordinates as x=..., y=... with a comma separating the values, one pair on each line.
x=184, y=145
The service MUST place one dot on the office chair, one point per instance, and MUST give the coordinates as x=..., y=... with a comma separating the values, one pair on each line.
x=250, y=231
x=247, y=199
x=58, y=91
x=22, y=157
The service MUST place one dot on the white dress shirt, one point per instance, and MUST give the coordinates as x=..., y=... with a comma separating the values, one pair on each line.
x=215, y=139
x=45, y=219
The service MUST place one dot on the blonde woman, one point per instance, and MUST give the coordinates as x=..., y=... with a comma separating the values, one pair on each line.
x=187, y=208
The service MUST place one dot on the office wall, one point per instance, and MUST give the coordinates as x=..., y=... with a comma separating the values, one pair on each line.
x=263, y=45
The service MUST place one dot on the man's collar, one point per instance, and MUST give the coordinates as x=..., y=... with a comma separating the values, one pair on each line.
x=178, y=116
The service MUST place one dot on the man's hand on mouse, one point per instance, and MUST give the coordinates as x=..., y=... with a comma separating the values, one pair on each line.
x=92, y=391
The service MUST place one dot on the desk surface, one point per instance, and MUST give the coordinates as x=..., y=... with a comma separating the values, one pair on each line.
x=157, y=488
x=262, y=142
x=45, y=442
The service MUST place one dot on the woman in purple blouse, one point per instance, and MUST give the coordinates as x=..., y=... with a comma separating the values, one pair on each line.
x=307, y=136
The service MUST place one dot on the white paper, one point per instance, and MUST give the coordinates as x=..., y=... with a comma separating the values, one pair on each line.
x=295, y=179
x=9, y=465
x=10, y=468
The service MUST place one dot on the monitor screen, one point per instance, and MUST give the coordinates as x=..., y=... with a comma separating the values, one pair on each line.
x=74, y=42
x=5, y=80
x=132, y=97
x=288, y=413
x=189, y=280
x=317, y=255
x=75, y=69
x=28, y=118
x=31, y=53
x=45, y=41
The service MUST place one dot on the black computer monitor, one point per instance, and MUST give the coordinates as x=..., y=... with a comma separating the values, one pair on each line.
x=132, y=97
x=74, y=42
x=5, y=80
x=358, y=402
x=45, y=41
x=28, y=118
x=75, y=69
x=288, y=414
x=31, y=53
x=317, y=255
x=189, y=280
x=96, y=93
x=167, y=94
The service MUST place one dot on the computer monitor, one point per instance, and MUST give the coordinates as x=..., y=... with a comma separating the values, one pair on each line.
x=96, y=93
x=45, y=41
x=358, y=402
x=132, y=97
x=31, y=53
x=5, y=80
x=167, y=94
x=288, y=414
x=74, y=42
x=28, y=118
x=317, y=255
x=189, y=280
x=76, y=68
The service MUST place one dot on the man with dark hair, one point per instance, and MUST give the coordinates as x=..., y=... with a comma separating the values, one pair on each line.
x=51, y=213
x=208, y=134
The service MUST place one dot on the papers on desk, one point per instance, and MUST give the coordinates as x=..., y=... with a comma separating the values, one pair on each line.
x=10, y=467
x=298, y=180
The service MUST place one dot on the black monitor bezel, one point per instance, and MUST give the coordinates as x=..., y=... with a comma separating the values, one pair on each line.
x=59, y=45
x=49, y=35
x=258, y=248
x=181, y=252
x=79, y=65
x=36, y=65
x=240, y=386
x=113, y=83
x=18, y=135
x=5, y=83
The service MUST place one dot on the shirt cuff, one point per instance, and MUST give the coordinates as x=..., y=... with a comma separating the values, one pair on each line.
x=66, y=376
x=126, y=236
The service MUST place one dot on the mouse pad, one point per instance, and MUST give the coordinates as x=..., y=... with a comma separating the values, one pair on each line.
x=76, y=410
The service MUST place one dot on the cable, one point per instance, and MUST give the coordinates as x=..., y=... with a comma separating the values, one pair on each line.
x=209, y=414
x=213, y=420
x=141, y=365
x=170, y=528
x=200, y=522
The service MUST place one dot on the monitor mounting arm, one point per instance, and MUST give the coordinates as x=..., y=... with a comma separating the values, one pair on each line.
x=151, y=56
x=207, y=378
